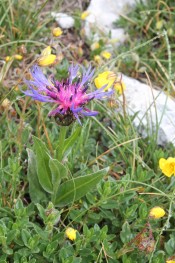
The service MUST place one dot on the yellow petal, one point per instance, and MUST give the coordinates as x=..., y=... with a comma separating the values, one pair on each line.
x=47, y=51
x=106, y=54
x=84, y=15
x=157, y=212
x=18, y=57
x=162, y=162
x=120, y=87
x=46, y=60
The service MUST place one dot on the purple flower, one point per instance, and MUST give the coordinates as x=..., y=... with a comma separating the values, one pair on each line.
x=69, y=95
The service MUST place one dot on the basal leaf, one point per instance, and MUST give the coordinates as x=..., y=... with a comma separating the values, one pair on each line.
x=42, y=160
x=36, y=192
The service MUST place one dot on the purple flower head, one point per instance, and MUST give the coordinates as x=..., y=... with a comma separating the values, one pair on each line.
x=69, y=95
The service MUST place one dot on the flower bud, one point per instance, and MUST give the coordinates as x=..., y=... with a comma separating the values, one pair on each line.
x=56, y=32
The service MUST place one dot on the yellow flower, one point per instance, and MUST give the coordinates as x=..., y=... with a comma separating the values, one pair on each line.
x=8, y=58
x=170, y=261
x=106, y=54
x=84, y=15
x=57, y=32
x=157, y=212
x=46, y=58
x=119, y=87
x=71, y=233
x=109, y=79
x=18, y=57
x=97, y=59
x=95, y=45
x=167, y=166
x=106, y=78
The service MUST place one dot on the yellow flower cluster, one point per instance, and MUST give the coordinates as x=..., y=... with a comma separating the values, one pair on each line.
x=71, y=233
x=109, y=79
x=157, y=212
x=167, y=166
x=46, y=58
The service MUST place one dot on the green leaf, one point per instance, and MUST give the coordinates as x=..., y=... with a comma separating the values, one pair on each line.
x=69, y=142
x=74, y=189
x=42, y=159
x=126, y=234
x=36, y=192
x=58, y=171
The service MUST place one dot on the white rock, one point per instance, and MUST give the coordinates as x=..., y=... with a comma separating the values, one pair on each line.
x=155, y=110
x=102, y=15
x=64, y=21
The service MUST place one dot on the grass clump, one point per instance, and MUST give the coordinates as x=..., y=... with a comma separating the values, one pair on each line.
x=146, y=21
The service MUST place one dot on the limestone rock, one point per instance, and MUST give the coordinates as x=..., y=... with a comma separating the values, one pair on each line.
x=102, y=15
x=155, y=110
x=64, y=21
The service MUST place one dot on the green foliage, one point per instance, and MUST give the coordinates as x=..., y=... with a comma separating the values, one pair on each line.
x=144, y=22
x=52, y=178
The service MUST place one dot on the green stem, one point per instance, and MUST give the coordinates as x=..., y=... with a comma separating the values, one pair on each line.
x=62, y=136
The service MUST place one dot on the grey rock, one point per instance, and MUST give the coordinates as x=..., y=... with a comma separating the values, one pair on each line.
x=102, y=15
x=64, y=21
x=155, y=110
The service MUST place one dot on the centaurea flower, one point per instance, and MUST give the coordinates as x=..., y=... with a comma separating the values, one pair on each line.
x=69, y=95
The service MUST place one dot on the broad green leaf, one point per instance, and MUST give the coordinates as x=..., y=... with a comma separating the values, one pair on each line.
x=58, y=171
x=42, y=159
x=69, y=142
x=74, y=189
x=36, y=192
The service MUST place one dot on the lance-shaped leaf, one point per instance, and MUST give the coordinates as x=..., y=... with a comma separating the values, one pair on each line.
x=76, y=188
x=42, y=160
x=37, y=194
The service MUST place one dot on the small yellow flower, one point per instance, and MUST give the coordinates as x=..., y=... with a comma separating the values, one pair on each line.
x=18, y=57
x=95, y=45
x=167, y=166
x=106, y=78
x=109, y=79
x=71, y=233
x=46, y=58
x=8, y=58
x=84, y=15
x=157, y=212
x=57, y=32
x=170, y=261
x=120, y=87
x=106, y=54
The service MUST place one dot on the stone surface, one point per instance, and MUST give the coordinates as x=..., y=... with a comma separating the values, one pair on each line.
x=155, y=110
x=64, y=21
x=102, y=15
